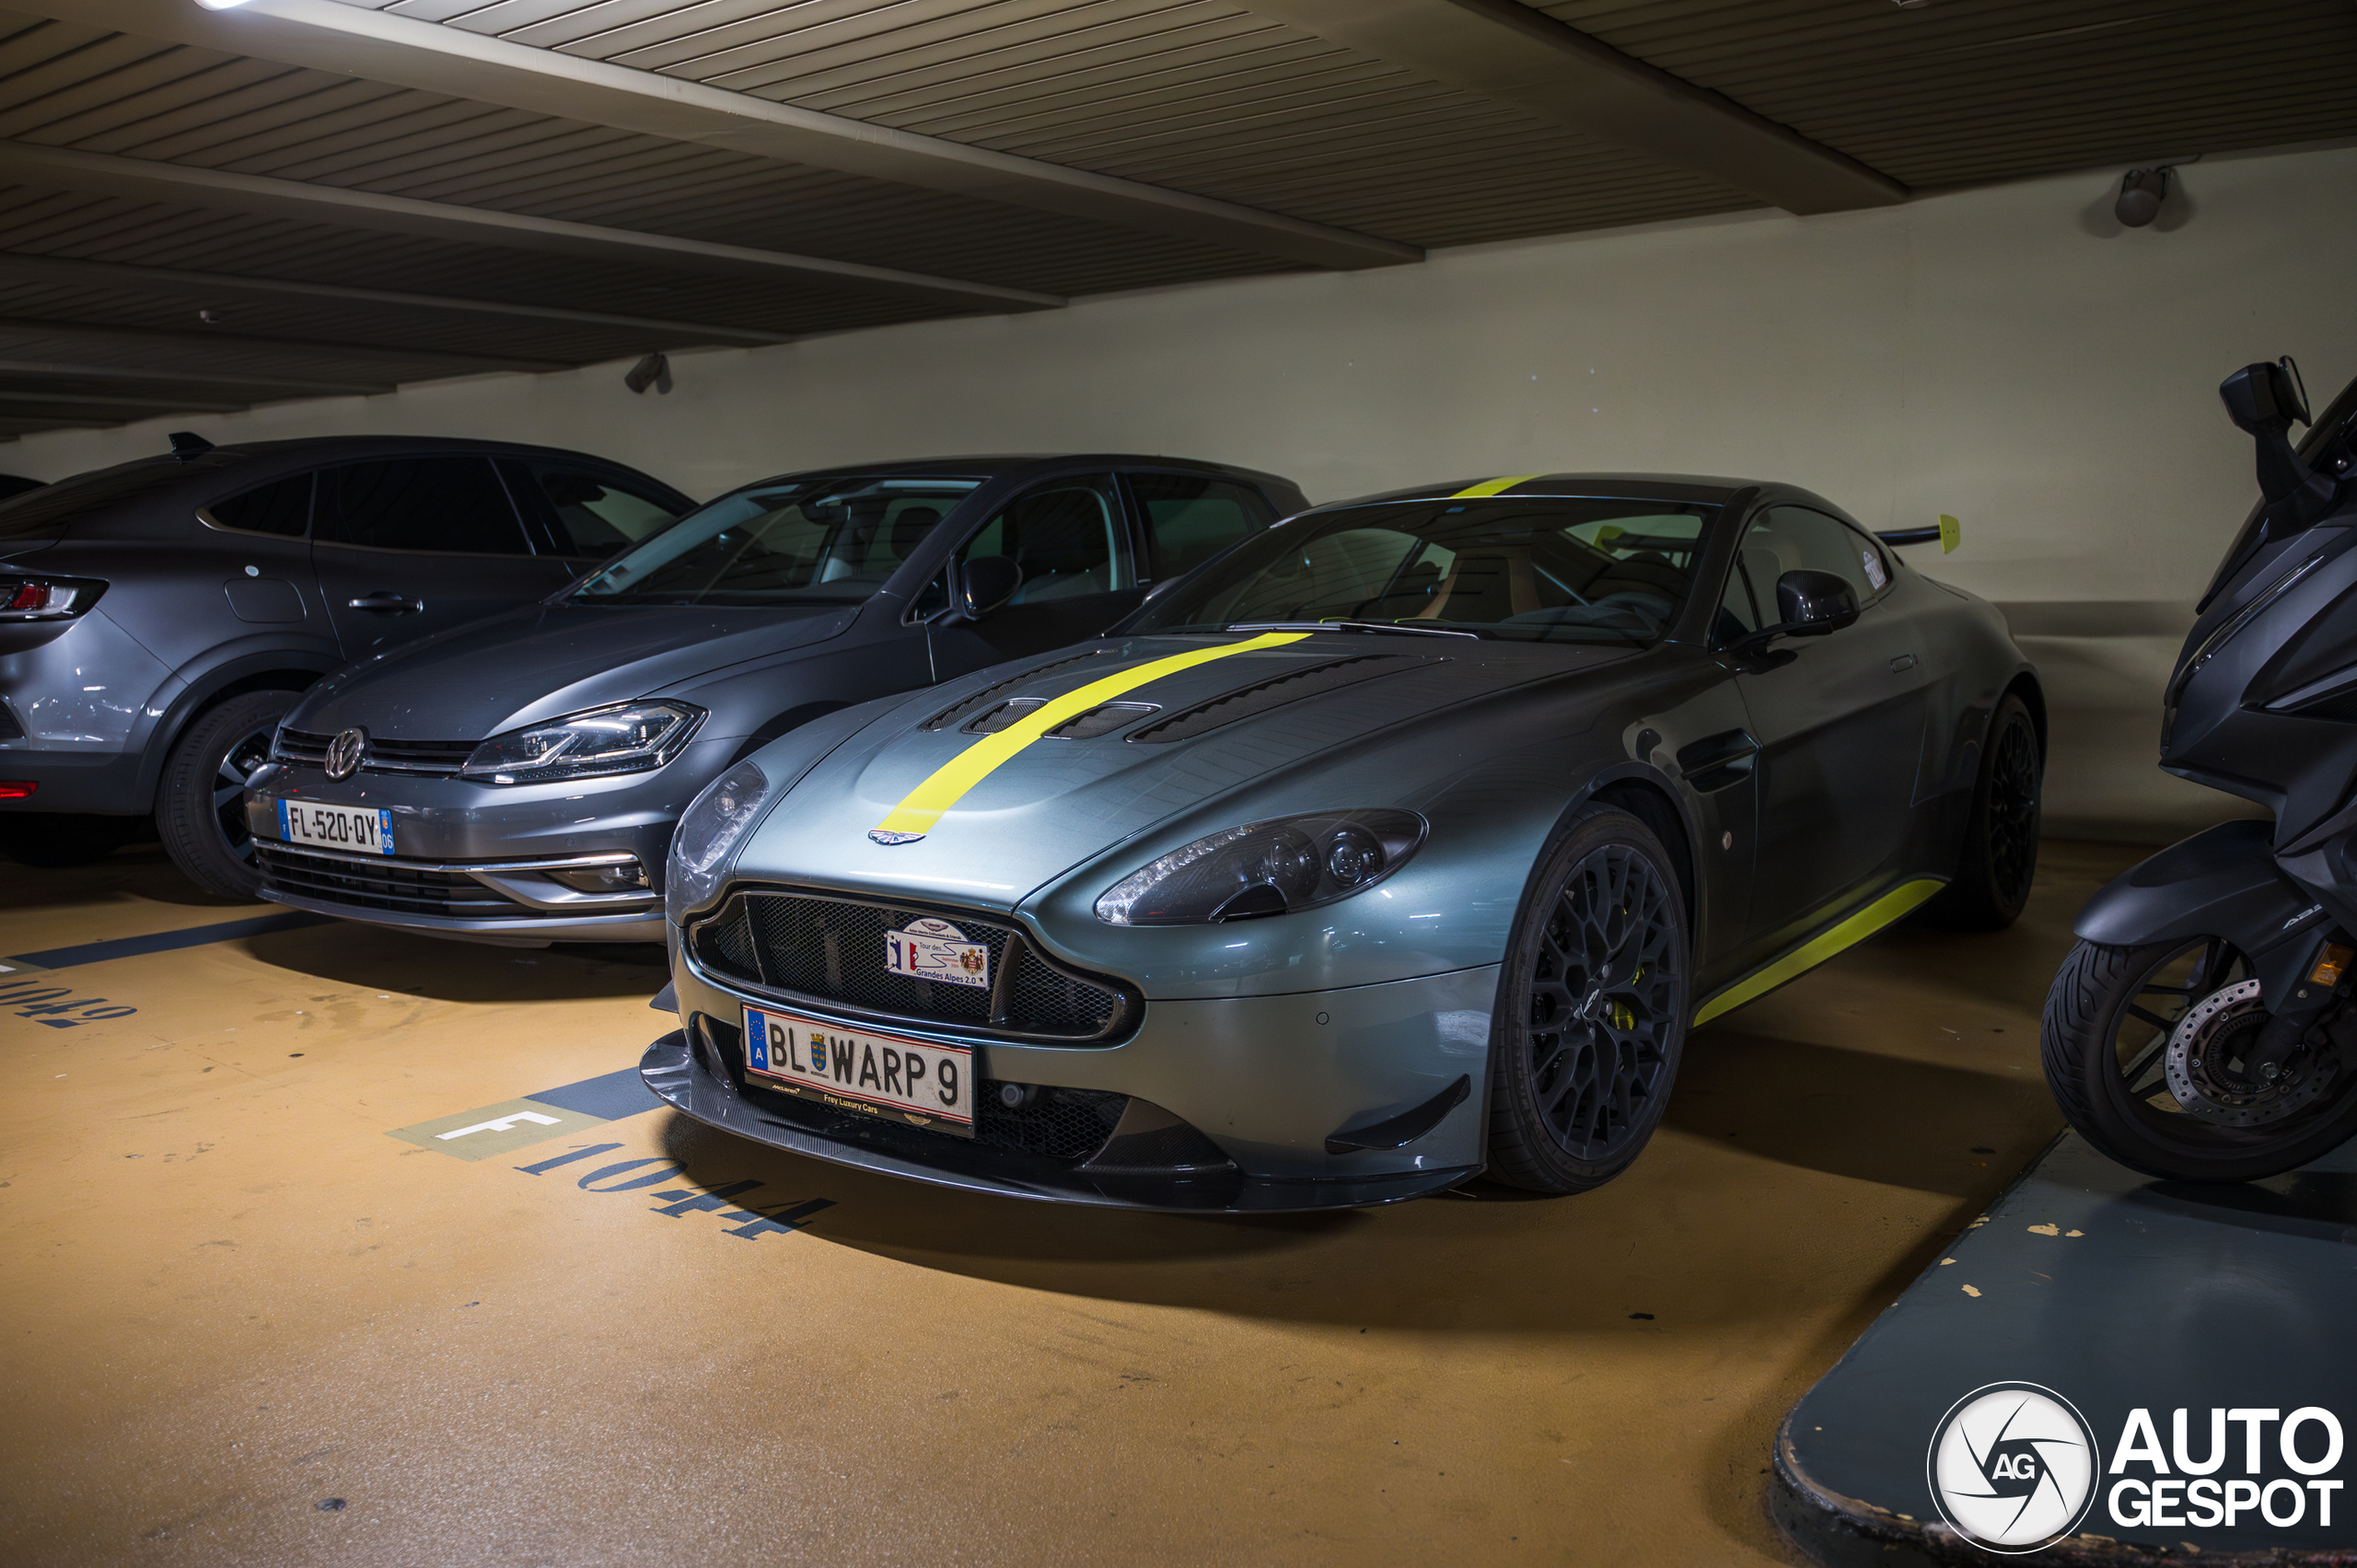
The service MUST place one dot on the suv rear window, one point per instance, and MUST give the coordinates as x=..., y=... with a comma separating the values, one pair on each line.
x=52, y=510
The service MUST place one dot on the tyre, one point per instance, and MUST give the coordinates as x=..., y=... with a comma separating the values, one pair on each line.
x=57, y=838
x=1999, y=856
x=2143, y=1050
x=199, y=805
x=1592, y=1008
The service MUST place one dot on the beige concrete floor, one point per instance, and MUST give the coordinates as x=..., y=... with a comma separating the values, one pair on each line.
x=243, y=1325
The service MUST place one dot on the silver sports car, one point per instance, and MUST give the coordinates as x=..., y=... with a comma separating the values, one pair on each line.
x=1400, y=841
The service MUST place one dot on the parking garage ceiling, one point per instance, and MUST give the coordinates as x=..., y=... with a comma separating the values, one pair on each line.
x=202, y=210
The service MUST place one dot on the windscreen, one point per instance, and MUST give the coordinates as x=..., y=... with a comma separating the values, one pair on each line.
x=2320, y=435
x=1587, y=570
x=50, y=511
x=827, y=541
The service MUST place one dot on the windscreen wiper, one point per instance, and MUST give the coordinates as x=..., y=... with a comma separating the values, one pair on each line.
x=1348, y=626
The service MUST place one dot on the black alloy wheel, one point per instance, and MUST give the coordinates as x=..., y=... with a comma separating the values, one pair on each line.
x=1998, y=861
x=2131, y=1035
x=199, y=805
x=1592, y=1009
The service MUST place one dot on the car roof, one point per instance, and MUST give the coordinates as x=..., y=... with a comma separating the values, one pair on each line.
x=1709, y=489
x=332, y=446
x=996, y=465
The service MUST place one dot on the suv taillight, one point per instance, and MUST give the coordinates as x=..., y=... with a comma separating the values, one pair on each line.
x=47, y=598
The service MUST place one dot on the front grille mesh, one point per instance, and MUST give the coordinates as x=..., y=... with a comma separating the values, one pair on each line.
x=380, y=885
x=440, y=757
x=833, y=949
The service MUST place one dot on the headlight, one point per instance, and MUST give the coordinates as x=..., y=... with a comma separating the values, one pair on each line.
x=1272, y=867
x=712, y=823
x=629, y=737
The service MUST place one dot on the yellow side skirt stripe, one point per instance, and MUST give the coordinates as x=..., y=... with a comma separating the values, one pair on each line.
x=922, y=807
x=1492, y=486
x=1892, y=905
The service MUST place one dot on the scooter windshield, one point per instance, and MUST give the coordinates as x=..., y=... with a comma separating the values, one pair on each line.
x=2329, y=425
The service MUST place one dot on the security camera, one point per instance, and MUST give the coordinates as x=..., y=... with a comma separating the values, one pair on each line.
x=2140, y=195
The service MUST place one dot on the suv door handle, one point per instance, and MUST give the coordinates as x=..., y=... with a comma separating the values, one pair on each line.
x=384, y=602
x=1903, y=662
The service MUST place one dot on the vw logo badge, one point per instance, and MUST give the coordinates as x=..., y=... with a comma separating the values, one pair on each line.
x=346, y=752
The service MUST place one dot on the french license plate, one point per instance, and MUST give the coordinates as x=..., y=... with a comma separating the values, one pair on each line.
x=880, y=1076
x=365, y=830
x=937, y=950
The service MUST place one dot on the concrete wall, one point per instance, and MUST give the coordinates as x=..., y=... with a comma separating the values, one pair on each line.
x=2007, y=354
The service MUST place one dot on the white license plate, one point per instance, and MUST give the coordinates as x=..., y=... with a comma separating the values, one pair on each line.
x=937, y=950
x=363, y=830
x=882, y=1075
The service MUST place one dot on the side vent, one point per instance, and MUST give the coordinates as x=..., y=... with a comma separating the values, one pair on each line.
x=1253, y=701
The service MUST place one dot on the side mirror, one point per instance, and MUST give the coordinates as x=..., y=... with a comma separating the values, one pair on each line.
x=1811, y=603
x=2265, y=401
x=2261, y=398
x=989, y=581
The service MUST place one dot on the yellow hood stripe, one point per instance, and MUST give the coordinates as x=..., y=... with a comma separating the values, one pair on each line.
x=1899, y=902
x=1492, y=486
x=925, y=805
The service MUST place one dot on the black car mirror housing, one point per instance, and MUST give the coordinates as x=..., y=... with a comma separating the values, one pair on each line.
x=1811, y=603
x=988, y=582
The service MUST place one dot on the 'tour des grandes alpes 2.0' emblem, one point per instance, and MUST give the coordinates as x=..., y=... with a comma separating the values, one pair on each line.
x=937, y=950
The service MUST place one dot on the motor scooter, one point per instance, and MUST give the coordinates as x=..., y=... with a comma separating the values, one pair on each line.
x=2202, y=1029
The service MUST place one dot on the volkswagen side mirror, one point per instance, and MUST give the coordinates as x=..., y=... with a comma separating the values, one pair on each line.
x=988, y=581
x=1810, y=603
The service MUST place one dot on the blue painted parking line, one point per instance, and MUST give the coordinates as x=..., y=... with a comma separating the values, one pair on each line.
x=609, y=1096
x=163, y=941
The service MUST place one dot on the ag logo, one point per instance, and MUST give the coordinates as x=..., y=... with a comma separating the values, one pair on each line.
x=2012, y=1467
x=346, y=752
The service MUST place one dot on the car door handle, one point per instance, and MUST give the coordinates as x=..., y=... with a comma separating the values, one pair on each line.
x=1903, y=662
x=384, y=602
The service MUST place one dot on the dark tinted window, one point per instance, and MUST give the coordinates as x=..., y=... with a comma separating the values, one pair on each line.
x=282, y=507
x=1067, y=537
x=1534, y=569
x=51, y=510
x=831, y=540
x=445, y=504
x=1783, y=539
x=1188, y=520
x=590, y=512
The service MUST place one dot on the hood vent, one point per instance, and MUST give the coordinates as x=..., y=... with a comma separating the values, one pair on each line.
x=961, y=712
x=1275, y=692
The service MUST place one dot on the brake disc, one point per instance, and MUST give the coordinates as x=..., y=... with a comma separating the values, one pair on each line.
x=2205, y=1053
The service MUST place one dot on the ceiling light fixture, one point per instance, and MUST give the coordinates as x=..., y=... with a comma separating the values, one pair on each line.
x=220, y=4
x=2142, y=192
x=654, y=371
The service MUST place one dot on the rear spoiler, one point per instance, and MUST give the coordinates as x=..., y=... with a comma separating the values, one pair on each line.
x=1949, y=533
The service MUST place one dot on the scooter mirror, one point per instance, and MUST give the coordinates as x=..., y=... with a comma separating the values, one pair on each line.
x=2265, y=398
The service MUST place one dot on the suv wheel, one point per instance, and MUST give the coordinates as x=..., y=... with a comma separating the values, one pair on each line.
x=201, y=805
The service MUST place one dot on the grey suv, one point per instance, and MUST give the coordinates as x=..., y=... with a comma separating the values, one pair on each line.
x=158, y=617
x=518, y=780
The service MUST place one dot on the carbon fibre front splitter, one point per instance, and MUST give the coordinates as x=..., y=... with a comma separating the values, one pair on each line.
x=676, y=1074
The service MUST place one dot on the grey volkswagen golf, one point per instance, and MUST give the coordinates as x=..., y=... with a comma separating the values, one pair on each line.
x=517, y=781
x=158, y=618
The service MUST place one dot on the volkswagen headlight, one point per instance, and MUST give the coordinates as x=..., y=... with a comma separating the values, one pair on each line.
x=709, y=829
x=1272, y=867
x=629, y=737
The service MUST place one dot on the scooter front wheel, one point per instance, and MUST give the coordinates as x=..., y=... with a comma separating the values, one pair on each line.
x=2142, y=1047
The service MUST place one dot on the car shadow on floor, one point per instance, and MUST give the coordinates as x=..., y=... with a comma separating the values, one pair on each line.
x=1706, y=1228
x=1895, y=1120
x=141, y=872
x=383, y=959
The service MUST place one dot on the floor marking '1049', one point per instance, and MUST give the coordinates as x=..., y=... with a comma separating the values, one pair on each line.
x=727, y=1200
x=55, y=1005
